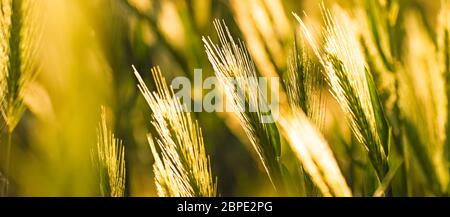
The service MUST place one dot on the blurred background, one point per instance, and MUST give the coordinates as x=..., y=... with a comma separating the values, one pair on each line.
x=85, y=57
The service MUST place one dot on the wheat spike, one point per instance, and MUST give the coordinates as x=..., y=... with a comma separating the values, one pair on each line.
x=303, y=85
x=5, y=11
x=20, y=36
x=351, y=85
x=183, y=167
x=230, y=60
x=111, y=160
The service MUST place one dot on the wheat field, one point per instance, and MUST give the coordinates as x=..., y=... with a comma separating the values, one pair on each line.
x=212, y=98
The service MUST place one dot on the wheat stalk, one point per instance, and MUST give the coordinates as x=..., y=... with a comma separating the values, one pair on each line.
x=231, y=62
x=110, y=160
x=183, y=167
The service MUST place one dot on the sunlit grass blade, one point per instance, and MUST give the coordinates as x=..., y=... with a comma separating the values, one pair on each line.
x=182, y=168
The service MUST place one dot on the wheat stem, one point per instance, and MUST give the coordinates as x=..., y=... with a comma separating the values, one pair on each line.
x=7, y=163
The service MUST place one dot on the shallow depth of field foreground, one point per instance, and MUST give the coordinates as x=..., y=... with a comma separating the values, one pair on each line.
x=211, y=98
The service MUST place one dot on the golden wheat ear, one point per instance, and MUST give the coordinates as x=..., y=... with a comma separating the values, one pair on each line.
x=110, y=160
x=182, y=168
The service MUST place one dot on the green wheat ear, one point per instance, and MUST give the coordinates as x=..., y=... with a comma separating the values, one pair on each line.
x=183, y=168
x=231, y=60
x=18, y=44
x=304, y=82
x=110, y=159
x=352, y=86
